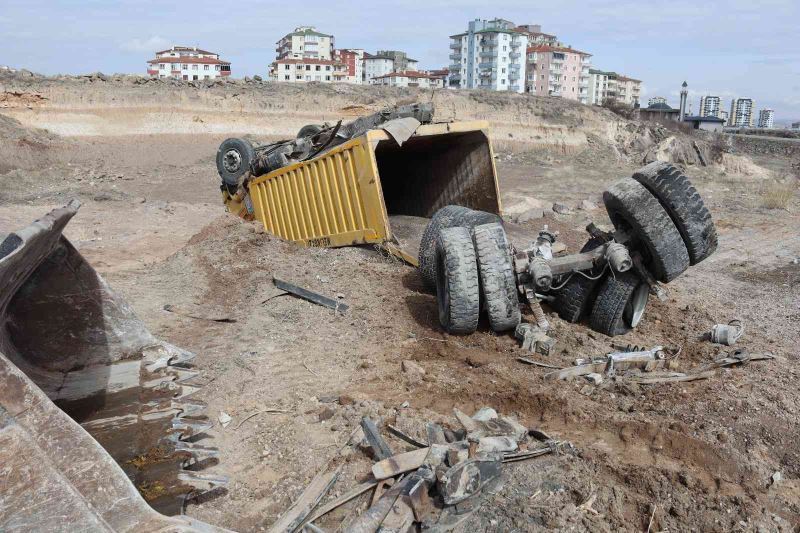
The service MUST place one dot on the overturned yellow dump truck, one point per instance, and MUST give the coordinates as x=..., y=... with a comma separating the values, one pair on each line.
x=92, y=406
x=347, y=194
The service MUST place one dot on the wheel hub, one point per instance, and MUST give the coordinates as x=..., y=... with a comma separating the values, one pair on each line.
x=232, y=160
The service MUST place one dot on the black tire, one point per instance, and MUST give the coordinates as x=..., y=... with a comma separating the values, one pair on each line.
x=684, y=205
x=233, y=159
x=576, y=297
x=457, y=288
x=634, y=210
x=308, y=130
x=613, y=310
x=447, y=217
x=498, y=282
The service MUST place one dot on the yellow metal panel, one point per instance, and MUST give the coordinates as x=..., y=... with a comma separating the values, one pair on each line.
x=332, y=200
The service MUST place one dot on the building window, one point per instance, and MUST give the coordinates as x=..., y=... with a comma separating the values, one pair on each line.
x=205, y=67
x=504, y=70
x=286, y=67
x=308, y=67
x=299, y=77
x=185, y=66
x=216, y=67
x=194, y=77
x=162, y=66
x=327, y=67
x=206, y=77
x=318, y=68
x=194, y=67
x=287, y=77
x=502, y=82
x=327, y=78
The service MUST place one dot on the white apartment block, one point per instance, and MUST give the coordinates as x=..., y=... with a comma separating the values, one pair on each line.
x=489, y=55
x=766, y=118
x=742, y=113
x=352, y=59
x=305, y=42
x=376, y=66
x=710, y=106
x=306, y=70
x=409, y=79
x=612, y=86
x=188, y=63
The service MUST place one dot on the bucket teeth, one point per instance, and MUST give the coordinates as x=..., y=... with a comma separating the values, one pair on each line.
x=197, y=453
x=185, y=428
x=202, y=482
x=188, y=407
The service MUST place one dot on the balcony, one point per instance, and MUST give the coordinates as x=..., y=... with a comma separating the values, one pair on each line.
x=513, y=76
x=455, y=57
x=485, y=73
x=456, y=45
x=515, y=44
x=455, y=77
x=486, y=54
x=486, y=64
x=514, y=66
x=514, y=88
x=514, y=55
x=455, y=67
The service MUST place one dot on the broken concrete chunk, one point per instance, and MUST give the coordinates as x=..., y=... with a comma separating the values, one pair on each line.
x=594, y=378
x=435, y=433
x=397, y=464
x=562, y=209
x=224, y=419
x=467, y=478
x=468, y=423
x=484, y=414
x=513, y=428
x=497, y=444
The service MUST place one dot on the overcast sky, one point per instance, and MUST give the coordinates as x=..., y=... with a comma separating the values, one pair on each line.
x=731, y=49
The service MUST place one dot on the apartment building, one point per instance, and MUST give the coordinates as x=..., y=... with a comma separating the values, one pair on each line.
x=742, y=113
x=376, y=65
x=656, y=100
x=188, y=63
x=491, y=55
x=557, y=71
x=385, y=62
x=612, y=86
x=536, y=36
x=353, y=61
x=410, y=78
x=709, y=106
x=400, y=59
x=308, y=69
x=766, y=118
x=305, y=42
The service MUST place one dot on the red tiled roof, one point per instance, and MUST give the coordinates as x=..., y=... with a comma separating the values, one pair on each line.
x=185, y=59
x=548, y=48
x=625, y=78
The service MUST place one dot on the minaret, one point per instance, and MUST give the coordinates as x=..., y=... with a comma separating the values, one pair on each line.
x=684, y=96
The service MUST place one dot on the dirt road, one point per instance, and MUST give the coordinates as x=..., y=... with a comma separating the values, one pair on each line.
x=685, y=456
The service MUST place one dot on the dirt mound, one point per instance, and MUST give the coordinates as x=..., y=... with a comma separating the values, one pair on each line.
x=12, y=129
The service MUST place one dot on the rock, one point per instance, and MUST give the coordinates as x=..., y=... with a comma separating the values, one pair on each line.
x=497, y=444
x=258, y=78
x=224, y=419
x=484, y=414
x=561, y=209
x=326, y=414
x=346, y=399
x=776, y=478
x=520, y=204
x=587, y=205
x=410, y=367
x=594, y=378
x=533, y=213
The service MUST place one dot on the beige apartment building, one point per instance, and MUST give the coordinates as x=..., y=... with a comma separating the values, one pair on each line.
x=558, y=71
x=612, y=86
x=742, y=113
x=305, y=42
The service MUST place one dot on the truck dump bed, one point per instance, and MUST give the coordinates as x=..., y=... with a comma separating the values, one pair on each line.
x=347, y=195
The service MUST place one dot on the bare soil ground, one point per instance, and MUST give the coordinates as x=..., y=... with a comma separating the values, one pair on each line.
x=692, y=456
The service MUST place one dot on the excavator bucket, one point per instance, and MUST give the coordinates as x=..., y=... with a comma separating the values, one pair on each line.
x=92, y=406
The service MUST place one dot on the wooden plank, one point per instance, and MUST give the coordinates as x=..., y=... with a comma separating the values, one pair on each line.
x=343, y=499
x=371, y=519
x=310, y=296
x=402, y=462
x=576, y=371
x=300, y=509
x=538, y=363
x=380, y=449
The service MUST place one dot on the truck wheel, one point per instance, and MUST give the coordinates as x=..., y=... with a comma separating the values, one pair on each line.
x=635, y=211
x=457, y=291
x=620, y=304
x=446, y=217
x=577, y=295
x=233, y=159
x=497, y=276
x=684, y=205
x=309, y=130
